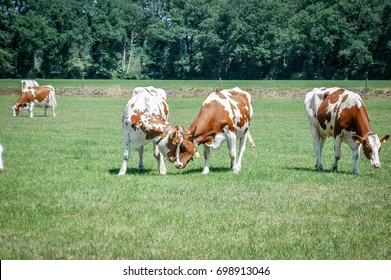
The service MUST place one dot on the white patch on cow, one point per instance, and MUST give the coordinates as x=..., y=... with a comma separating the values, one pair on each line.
x=352, y=100
x=226, y=102
x=26, y=84
x=375, y=144
x=218, y=140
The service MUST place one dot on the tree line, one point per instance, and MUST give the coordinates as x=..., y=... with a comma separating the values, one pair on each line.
x=196, y=39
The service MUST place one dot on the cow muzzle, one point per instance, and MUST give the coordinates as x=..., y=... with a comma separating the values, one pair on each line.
x=179, y=165
x=376, y=165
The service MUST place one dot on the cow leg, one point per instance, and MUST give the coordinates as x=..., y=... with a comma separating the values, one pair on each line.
x=31, y=107
x=53, y=104
x=337, y=152
x=242, y=148
x=232, y=152
x=356, y=154
x=318, y=142
x=122, y=171
x=141, y=159
x=206, y=156
x=160, y=160
x=46, y=110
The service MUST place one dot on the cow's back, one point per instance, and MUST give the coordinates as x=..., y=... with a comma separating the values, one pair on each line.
x=42, y=92
x=149, y=100
x=330, y=109
x=313, y=101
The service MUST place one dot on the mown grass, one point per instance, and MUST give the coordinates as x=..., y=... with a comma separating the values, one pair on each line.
x=248, y=84
x=61, y=197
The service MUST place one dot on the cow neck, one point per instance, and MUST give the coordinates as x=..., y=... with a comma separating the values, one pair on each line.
x=201, y=136
x=363, y=126
x=165, y=133
x=192, y=129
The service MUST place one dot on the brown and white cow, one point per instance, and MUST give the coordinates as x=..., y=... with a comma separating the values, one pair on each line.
x=42, y=96
x=224, y=116
x=145, y=119
x=341, y=114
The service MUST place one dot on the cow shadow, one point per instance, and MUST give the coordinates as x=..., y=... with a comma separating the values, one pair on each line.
x=135, y=171
x=115, y=171
x=314, y=170
x=211, y=170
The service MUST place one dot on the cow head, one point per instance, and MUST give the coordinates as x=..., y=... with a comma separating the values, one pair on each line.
x=15, y=109
x=181, y=148
x=371, y=144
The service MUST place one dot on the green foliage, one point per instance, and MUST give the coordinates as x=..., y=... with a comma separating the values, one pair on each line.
x=203, y=39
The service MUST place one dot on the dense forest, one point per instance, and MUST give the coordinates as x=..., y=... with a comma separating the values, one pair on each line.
x=196, y=39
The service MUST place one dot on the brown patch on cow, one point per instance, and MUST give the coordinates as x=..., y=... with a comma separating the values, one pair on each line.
x=41, y=93
x=211, y=120
x=151, y=134
x=323, y=115
x=367, y=149
x=165, y=105
x=135, y=119
x=219, y=94
x=353, y=119
x=334, y=96
x=243, y=106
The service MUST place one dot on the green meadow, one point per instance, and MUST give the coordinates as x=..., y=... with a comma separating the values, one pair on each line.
x=61, y=198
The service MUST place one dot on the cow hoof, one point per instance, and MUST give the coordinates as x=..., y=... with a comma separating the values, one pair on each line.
x=141, y=168
x=356, y=172
x=205, y=170
x=162, y=170
x=121, y=173
x=320, y=168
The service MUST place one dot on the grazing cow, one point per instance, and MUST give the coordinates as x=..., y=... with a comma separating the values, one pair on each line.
x=224, y=116
x=26, y=84
x=1, y=158
x=341, y=114
x=145, y=120
x=42, y=96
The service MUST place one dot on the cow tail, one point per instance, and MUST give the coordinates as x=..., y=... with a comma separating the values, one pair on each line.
x=250, y=139
x=52, y=96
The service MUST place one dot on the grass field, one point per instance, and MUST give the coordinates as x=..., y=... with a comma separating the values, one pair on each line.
x=61, y=198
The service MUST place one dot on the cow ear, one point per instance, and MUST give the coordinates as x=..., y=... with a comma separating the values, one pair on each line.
x=384, y=138
x=358, y=139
